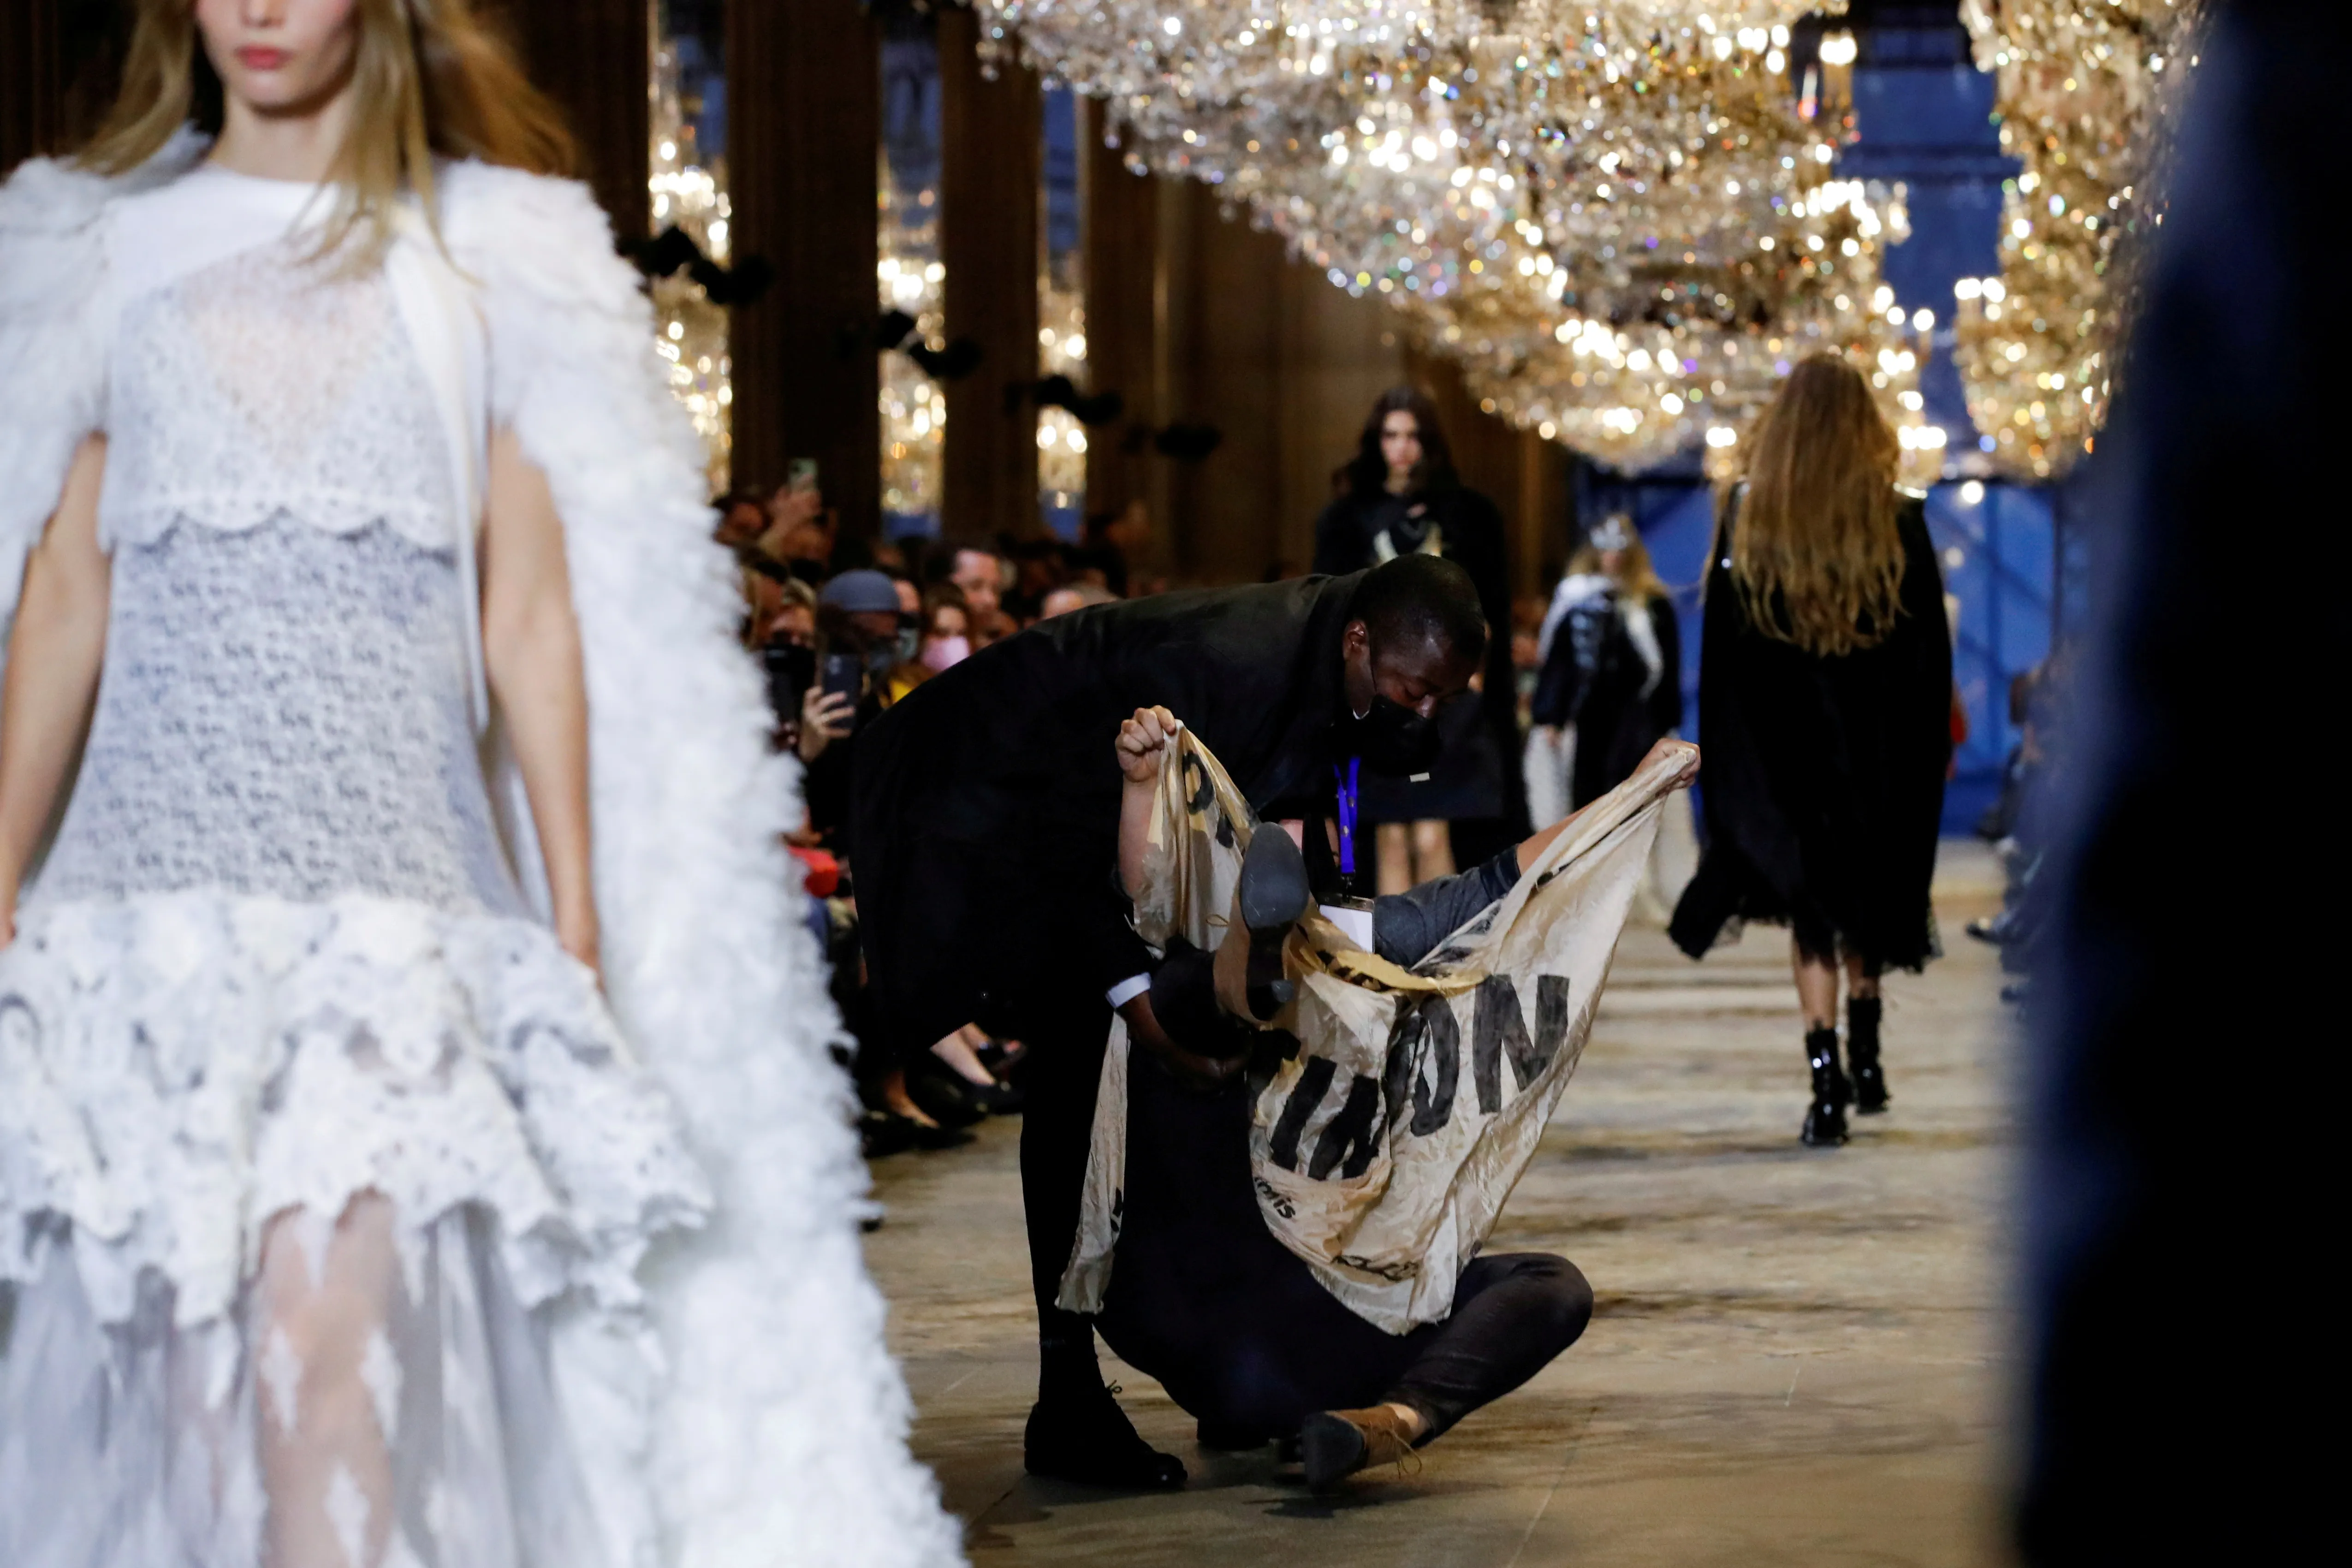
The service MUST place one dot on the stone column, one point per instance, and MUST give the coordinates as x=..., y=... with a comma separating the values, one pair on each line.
x=594, y=57
x=804, y=129
x=60, y=63
x=1121, y=237
x=990, y=139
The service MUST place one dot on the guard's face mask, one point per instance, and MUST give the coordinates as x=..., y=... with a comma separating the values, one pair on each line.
x=1391, y=738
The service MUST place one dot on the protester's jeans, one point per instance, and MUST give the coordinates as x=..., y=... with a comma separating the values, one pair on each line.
x=1238, y=1330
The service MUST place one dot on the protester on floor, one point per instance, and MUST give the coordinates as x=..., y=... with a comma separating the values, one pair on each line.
x=987, y=812
x=1400, y=496
x=1235, y=1325
x=1825, y=688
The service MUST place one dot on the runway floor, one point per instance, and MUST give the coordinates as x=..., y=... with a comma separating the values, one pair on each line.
x=1798, y=1357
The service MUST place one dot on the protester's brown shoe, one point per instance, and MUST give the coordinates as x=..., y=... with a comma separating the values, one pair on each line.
x=1335, y=1443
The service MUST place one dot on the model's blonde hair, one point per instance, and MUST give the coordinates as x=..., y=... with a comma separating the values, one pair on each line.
x=1636, y=578
x=428, y=81
x=1815, y=553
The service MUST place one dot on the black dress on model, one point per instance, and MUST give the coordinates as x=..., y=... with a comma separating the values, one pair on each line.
x=1469, y=781
x=1619, y=680
x=1824, y=776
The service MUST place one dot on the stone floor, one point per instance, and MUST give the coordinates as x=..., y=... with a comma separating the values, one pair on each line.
x=1797, y=1357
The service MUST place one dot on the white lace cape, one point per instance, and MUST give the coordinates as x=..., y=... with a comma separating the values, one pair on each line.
x=767, y=1423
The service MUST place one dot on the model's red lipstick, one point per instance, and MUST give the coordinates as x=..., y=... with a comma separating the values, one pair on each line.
x=260, y=57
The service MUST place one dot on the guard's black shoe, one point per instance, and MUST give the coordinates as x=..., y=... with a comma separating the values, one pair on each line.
x=1861, y=1015
x=1086, y=1437
x=1825, y=1119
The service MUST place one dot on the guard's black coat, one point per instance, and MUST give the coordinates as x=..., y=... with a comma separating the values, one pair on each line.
x=1825, y=777
x=987, y=799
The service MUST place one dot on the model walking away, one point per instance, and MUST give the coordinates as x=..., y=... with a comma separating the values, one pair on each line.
x=1825, y=682
x=405, y=1157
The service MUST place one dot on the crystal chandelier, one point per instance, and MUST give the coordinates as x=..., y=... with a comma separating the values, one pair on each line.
x=2083, y=91
x=1615, y=219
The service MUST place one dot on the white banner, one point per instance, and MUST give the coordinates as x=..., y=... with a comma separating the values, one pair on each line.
x=1385, y=1147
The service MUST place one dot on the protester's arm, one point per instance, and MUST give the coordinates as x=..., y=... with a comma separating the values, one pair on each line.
x=1531, y=848
x=1141, y=741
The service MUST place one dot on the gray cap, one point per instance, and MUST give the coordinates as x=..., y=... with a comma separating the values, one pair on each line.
x=864, y=592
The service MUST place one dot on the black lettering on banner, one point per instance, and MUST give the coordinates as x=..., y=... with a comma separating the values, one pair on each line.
x=1406, y=1032
x=1433, y=1105
x=1500, y=1029
x=1354, y=1133
x=1199, y=793
x=1314, y=1083
x=1274, y=1200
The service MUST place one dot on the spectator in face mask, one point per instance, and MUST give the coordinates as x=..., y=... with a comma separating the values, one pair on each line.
x=947, y=630
x=979, y=575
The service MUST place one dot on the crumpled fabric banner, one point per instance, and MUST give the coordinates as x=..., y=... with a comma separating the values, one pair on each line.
x=1386, y=1143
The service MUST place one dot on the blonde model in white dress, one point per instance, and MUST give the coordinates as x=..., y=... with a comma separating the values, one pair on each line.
x=346, y=1218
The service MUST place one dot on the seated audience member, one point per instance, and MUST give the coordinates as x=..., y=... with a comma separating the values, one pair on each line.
x=980, y=573
x=743, y=518
x=1076, y=596
x=804, y=533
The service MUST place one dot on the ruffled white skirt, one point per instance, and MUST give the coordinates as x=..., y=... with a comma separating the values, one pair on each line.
x=323, y=1224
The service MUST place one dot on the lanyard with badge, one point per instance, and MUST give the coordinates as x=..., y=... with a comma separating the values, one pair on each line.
x=1348, y=796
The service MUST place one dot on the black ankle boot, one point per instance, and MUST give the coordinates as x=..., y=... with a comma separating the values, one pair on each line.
x=1825, y=1120
x=1861, y=1014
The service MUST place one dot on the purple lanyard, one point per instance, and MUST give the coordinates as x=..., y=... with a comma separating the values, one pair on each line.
x=1346, y=814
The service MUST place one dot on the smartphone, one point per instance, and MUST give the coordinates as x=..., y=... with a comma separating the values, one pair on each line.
x=844, y=673
x=800, y=475
x=791, y=670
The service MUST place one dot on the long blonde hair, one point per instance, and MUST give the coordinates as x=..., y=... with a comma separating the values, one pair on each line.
x=1637, y=579
x=1815, y=549
x=428, y=81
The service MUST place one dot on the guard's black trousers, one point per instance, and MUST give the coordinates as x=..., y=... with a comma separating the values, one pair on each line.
x=1237, y=1327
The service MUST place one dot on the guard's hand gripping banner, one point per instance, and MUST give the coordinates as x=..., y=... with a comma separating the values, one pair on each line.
x=1384, y=1148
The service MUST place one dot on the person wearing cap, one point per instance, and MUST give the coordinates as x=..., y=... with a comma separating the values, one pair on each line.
x=857, y=615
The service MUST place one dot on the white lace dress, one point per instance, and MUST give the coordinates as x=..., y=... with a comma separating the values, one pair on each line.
x=308, y=1131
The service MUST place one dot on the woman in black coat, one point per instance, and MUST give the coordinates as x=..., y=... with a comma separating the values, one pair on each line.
x=1612, y=669
x=1399, y=495
x=1825, y=681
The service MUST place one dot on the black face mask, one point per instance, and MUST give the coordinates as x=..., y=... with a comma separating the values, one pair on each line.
x=1390, y=737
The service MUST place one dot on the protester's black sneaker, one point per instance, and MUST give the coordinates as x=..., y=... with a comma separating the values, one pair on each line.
x=1083, y=1436
x=1335, y=1443
x=1272, y=895
x=1861, y=1015
x=1825, y=1118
